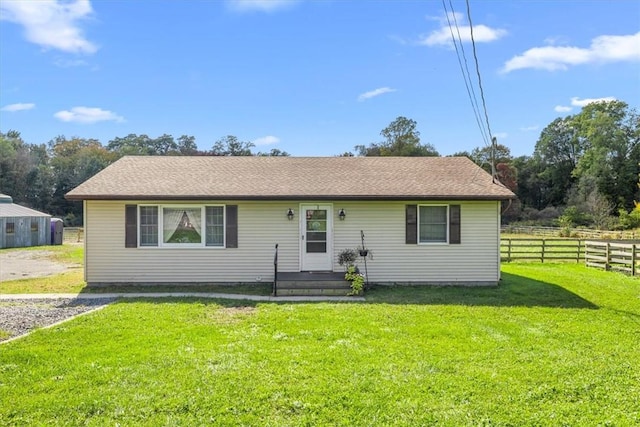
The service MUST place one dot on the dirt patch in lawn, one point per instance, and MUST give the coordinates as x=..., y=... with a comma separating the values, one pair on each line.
x=231, y=315
x=15, y=265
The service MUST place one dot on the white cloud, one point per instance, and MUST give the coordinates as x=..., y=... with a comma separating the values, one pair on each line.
x=260, y=5
x=602, y=49
x=442, y=36
x=51, y=23
x=87, y=115
x=374, y=93
x=562, y=109
x=501, y=135
x=266, y=140
x=530, y=128
x=577, y=102
x=18, y=107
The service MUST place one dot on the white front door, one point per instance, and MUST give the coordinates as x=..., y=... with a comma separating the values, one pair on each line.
x=316, y=238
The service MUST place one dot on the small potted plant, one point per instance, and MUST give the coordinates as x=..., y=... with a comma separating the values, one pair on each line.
x=347, y=258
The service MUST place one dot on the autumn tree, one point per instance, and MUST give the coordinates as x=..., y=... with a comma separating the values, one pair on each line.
x=73, y=161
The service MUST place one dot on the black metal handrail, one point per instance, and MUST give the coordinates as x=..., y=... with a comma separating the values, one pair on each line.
x=275, y=272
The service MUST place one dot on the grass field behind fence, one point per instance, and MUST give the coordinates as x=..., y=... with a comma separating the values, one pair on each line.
x=541, y=249
x=554, y=344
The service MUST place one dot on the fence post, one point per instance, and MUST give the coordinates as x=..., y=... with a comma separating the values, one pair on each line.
x=579, y=248
x=509, y=249
x=607, y=267
x=633, y=260
x=542, y=252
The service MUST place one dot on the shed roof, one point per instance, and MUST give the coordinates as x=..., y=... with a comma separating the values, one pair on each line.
x=321, y=178
x=10, y=210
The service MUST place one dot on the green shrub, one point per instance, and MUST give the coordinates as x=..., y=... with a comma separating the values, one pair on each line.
x=356, y=279
x=629, y=220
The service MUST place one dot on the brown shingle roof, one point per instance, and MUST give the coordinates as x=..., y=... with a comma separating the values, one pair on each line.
x=194, y=178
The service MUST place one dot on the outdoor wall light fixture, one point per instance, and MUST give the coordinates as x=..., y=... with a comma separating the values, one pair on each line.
x=341, y=214
x=290, y=214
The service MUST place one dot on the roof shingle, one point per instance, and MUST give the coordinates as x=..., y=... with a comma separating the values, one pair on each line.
x=196, y=178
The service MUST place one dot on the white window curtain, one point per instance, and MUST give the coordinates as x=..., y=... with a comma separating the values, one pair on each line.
x=171, y=218
x=194, y=215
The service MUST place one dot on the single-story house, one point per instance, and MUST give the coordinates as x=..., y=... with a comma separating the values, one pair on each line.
x=163, y=219
x=21, y=226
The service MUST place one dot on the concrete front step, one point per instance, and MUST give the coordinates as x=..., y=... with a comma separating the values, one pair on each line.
x=312, y=283
x=342, y=291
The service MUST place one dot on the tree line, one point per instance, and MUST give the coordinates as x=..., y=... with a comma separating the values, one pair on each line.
x=584, y=169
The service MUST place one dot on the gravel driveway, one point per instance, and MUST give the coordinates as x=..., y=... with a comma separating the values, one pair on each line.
x=17, y=317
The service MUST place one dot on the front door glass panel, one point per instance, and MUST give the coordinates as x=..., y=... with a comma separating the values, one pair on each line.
x=316, y=227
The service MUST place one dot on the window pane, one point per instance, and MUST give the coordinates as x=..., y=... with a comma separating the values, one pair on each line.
x=215, y=225
x=181, y=225
x=148, y=226
x=433, y=233
x=316, y=214
x=316, y=247
x=433, y=224
x=316, y=236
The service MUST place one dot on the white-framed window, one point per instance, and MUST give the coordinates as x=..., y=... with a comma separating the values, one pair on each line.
x=181, y=226
x=433, y=224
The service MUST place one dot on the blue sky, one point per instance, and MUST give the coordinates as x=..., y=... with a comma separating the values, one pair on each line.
x=313, y=78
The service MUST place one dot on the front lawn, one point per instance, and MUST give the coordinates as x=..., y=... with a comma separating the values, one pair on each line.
x=554, y=344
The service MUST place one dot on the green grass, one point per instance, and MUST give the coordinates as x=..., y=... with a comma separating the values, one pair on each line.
x=71, y=281
x=552, y=345
x=67, y=282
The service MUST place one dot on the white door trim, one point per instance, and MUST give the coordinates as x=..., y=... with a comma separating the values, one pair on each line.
x=316, y=261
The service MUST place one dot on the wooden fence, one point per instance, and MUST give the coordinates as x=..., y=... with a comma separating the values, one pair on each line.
x=543, y=250
x=617, y=256
x=73, y=234
x=582, y=233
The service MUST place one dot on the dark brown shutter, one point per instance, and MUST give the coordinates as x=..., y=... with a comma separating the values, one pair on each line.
x=131, y=226
x=231, y=218
x=411, y=224
x=454, y=224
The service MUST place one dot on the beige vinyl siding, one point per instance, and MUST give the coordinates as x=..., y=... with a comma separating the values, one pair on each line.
x=260, y=227
x=383, y=223
x=263, y=224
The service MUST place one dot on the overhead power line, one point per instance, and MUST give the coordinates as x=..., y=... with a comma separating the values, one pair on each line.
x=485, y=130
x=466, y=75
x=475, y=57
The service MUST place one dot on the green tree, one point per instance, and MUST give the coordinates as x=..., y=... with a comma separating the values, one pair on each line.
x=610, y=133
x=187, y=146
x=231, y=146
x=24, y=171
x=143, y=145
x=481, y=156
x=558, y=151
x=132, y=145
x=532, y=191
x=274, y=152
x=401, y=138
